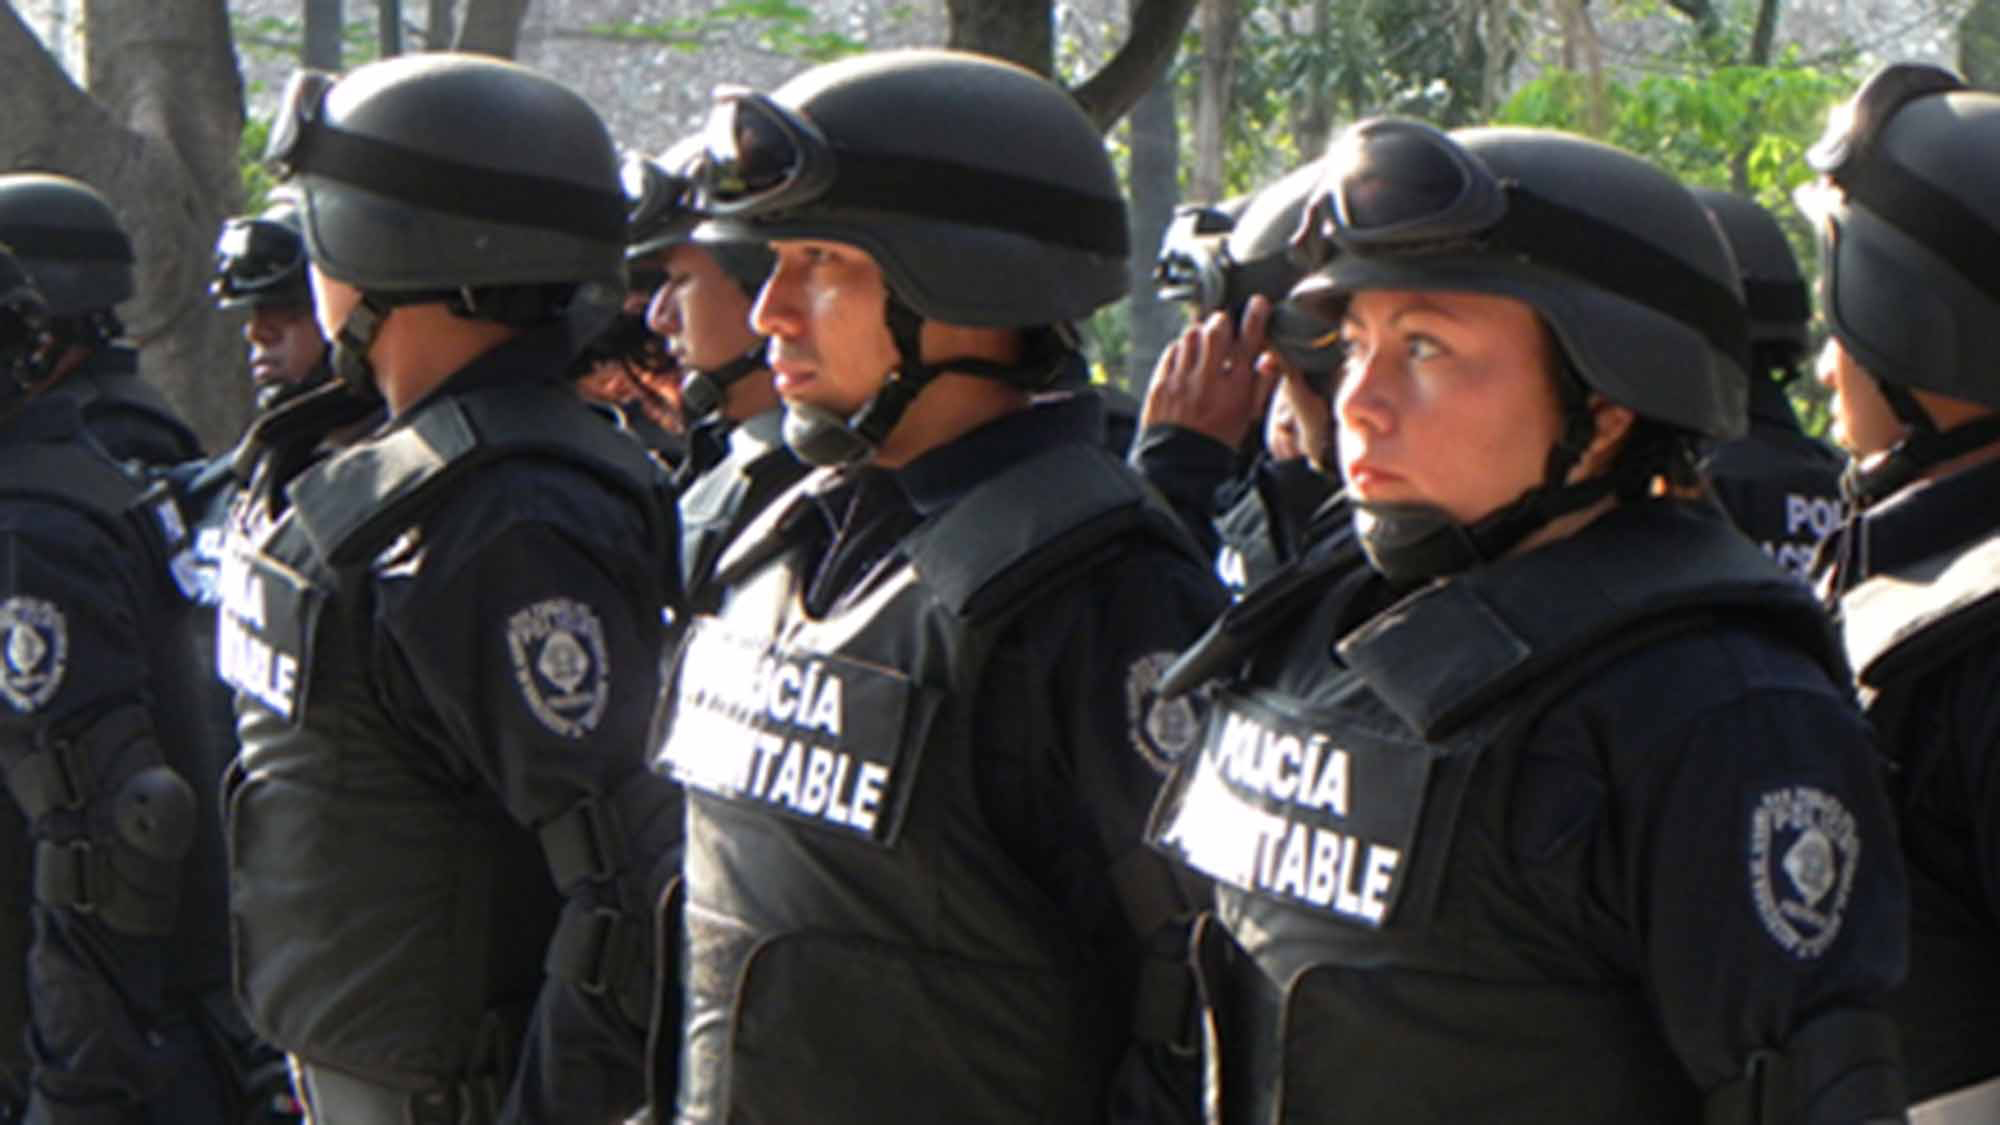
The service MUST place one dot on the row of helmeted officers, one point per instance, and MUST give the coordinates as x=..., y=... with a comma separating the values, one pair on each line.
x=685, y=642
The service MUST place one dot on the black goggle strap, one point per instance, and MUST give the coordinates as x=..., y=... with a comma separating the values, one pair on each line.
x=1933, y=218
x=423, y=179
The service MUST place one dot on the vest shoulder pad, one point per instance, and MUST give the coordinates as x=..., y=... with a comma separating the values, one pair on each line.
x=1451, y=651
x=1036, y=520
x=354, y=502
x=74, y=475
x=1910, y=619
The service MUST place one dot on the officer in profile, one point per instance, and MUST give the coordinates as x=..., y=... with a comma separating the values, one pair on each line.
x=737, y=458
x=260, y=267
x=630, y=372
x=1229, y=263
x=919, y=735
x=104, y=757
x=1904, y=210
x=67, y=238
x=444, y=636
x=1778, y=485
x=1623, y=854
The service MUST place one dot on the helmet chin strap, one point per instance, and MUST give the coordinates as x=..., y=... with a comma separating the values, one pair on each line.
x=821, y=437
x=705, y=389
x=1922, y=449
x=1412, y=543
x=351, y=346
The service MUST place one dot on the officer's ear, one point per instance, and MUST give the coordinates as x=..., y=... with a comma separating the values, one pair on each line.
x=1611, y=424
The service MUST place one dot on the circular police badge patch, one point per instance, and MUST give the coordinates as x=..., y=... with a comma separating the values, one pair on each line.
x=1163, y=730
x=34, y=650
x=560, y=664
x=1804, y=849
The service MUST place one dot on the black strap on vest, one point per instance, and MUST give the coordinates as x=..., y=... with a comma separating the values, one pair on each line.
x=1514, y=622
x=1037, y=519
x=1817, y=1070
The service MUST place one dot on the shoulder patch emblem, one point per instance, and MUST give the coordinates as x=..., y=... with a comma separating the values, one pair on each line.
x=1804, y=849
x=1163, y=731
x=561, y=664
x=34, y=651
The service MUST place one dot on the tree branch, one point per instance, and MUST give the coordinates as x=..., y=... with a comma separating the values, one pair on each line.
x=1145, y=55
x=492, y=27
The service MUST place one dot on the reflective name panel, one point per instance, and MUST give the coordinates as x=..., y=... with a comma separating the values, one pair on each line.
x=812, y=737
x=1309, y=817
x=264, y=625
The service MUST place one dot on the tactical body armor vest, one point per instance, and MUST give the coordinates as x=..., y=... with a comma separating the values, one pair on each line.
x=1371, y=929
x=860, y=947
x=1903, y=629
x=720, y=502
x=67, y=472
x=373, y=892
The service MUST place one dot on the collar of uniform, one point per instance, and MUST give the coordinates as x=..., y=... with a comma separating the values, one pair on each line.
x=44, y=419
x=1929, y=518
x=537, y=354
x=939, y=478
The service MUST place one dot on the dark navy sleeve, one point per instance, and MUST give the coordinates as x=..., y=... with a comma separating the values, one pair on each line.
x=1074, y=748
x=1739, y=852
x=1188, y=468
x=73, y=672
x=525, y=643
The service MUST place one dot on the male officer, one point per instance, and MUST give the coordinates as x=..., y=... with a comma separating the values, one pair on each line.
x=1779, y=486
x=71, y=244
x=105, y=756
x=919, y=736
x=1229, y=263
x=737, y=458
x=260, y=266
x=1905, y=215
x=444, y=636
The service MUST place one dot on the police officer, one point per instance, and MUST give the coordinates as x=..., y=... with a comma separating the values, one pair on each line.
x=1904, y=210
x=737, y=458
x=631, y=371
x=919, y=735
x=1229, y=262
x=1554, y=811
x=444, y=636
x=71, y=244
x=1777, y=484
x=104, y=756
x=260, y=266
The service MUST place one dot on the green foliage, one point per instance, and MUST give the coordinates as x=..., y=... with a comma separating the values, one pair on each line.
x=1740, y=128
x=778, y=26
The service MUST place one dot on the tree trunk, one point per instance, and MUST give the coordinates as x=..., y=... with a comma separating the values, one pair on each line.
x=1221, y=28
x=1020, y=31
x=1312, y=108
x=1582, y=50
x=1764, y=33
x=1154, y=173
x=322, y=44
x=158, y=135
x=492, y=27
x=389, y=27
x=437, y=29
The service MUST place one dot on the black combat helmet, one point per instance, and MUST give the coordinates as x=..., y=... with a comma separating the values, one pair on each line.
x=1218, y=257
x=260, y=260
x=1618, y=259
x=663, y=216
x=1909, y=239
x=65, y=235
x=980, y=189
x=405, y=195
x=1774, y=288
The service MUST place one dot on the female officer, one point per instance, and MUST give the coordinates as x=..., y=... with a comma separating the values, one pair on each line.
x=1553, y=808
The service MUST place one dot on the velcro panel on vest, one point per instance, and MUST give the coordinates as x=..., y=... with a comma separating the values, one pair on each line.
x=1452, y=650
x=1843, y=1066
x=352, y=504
x=1908, y=620
x=1035, y=520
